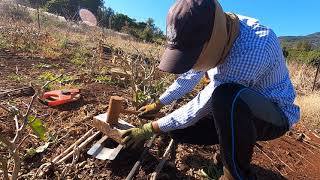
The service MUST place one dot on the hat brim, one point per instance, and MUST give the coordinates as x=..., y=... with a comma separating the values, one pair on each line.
x=178, y=61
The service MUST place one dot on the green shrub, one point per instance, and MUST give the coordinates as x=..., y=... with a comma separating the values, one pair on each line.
x=302, y=56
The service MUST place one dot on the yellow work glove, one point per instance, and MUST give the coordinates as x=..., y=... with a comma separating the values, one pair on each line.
x=136, y=136
x=150, y=111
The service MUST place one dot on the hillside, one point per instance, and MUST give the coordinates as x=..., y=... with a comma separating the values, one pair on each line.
x=291, y=41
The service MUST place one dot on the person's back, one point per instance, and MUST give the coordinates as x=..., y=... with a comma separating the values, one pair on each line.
x=266, y=72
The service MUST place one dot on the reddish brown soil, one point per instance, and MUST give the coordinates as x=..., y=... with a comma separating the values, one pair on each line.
x=294, y=156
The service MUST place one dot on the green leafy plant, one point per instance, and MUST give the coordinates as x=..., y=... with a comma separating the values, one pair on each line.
x=140, y=97
x=37, y=127
x=104, y=79
x=47, y=76
x=79, y=59
x=16, y=77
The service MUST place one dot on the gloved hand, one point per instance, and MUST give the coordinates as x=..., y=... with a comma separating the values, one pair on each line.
x=135, y=136
x=150, y=111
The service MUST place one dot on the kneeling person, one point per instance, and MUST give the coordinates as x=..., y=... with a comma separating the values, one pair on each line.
x=249, y=98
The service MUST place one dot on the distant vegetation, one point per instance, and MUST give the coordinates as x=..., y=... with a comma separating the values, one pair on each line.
x=292, y=41
x=107, y=17
x=304, y=49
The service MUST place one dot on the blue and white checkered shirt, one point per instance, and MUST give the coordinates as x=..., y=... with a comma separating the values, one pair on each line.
x=255, y=61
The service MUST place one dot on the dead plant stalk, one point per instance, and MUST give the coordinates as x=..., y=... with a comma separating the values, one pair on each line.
x=13, y=146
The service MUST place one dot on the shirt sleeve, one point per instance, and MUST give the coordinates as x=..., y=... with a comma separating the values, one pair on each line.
x=190, y=113
x=184, y=84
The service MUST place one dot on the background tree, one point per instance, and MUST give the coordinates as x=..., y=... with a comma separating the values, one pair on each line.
x=69, y=8
x=285, y=52
x=304, y=46
x=146, y=31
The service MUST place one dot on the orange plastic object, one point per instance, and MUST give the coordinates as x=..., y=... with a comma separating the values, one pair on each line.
x=59, y=97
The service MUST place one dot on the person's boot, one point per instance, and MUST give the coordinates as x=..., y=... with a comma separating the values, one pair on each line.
x=226, y=175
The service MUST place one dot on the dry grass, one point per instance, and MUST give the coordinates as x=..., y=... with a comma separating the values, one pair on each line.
x=310, y=110
x=302, y=77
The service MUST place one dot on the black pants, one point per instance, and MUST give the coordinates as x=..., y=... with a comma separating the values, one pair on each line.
x=240, y=117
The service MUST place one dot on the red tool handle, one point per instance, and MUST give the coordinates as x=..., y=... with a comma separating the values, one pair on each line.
x=59, y=97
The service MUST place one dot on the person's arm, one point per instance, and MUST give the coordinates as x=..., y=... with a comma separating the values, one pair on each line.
x=188, y=114
x=184, y=84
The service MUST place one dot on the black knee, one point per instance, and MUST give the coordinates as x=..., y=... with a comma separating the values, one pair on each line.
x=224, y=95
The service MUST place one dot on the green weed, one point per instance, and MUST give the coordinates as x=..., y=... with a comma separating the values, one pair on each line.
x=63, y=42
x=140, y=97
x=104, y=79
x=51, y=52
x=47, y=76
x=28, y=46
x=3, y=42
x=80, y=57
x=15, y=77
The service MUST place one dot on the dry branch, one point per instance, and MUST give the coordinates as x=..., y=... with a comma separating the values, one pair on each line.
x=165, y=156
x=15, y=155
x=5, y=108
x=25, y=120
x=80, y=147
x=64, y=153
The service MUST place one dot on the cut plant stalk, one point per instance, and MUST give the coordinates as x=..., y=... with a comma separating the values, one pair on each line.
x=64, y=153
x=138, y=163
x=80, y=147
x=164, y=158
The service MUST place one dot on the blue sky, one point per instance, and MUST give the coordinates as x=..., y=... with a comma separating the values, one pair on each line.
x=285, y=17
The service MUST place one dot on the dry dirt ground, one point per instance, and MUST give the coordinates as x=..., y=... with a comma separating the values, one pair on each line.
x=294, y=156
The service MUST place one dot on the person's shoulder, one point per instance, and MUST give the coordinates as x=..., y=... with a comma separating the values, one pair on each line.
x=248, y=20
x=252, y=27
x=252, y=33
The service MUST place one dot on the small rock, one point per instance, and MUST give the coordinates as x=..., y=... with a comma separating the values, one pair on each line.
x=300, y=137
x=289, y=133
x=288, y=153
